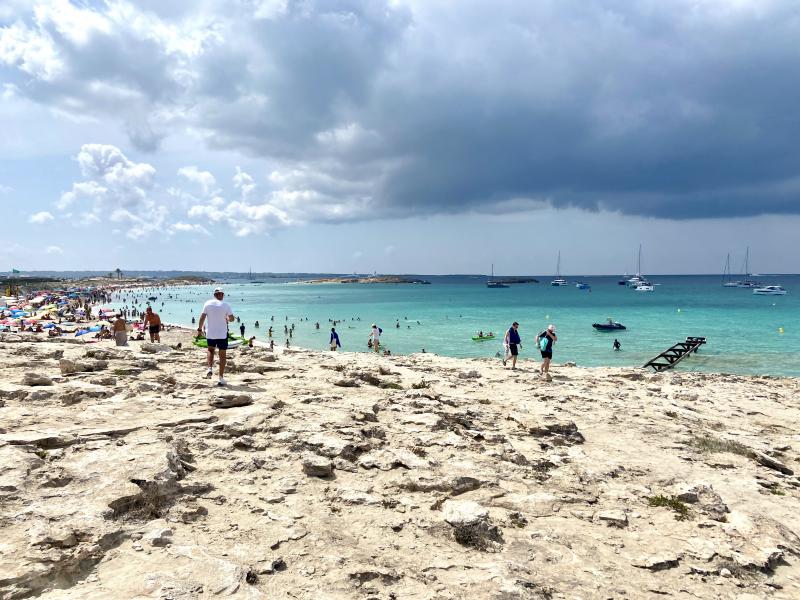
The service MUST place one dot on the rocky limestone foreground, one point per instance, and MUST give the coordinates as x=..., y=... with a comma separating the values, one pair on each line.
x=126, y=474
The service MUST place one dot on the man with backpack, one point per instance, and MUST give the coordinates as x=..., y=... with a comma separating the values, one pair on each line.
x=545, y=341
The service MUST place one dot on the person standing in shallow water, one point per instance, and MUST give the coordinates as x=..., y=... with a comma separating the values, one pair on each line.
x=512, y=343
x=546, y=348
x=375, y=338
x=335, y=343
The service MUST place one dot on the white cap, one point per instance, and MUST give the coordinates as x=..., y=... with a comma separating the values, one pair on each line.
x=218, y=291
x=551, y=327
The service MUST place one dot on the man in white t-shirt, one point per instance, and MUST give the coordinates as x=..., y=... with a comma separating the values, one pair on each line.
x=216, y=315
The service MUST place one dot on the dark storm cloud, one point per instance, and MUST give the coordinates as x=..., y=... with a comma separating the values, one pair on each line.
x=675, y=109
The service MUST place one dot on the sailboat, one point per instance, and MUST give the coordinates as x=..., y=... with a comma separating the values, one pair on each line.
x=727, y=280
x=558, y=281
x=747, y=282
x=250, y=277
x=494, y=284
x=639, y=282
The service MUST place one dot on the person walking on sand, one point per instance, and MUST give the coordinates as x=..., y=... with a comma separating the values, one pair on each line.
x=375, y=337
x=545, y=341
x=216, y=314
x=120, y=328
x=153, y=324
x=512, y=343
x=335, y=343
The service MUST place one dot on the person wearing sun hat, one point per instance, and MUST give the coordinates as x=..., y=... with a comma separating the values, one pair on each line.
x=216, y=315
x=545, y=341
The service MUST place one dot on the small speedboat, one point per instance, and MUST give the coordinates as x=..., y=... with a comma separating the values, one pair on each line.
x=770, y=290
x=583, y=286
x=609, y=325
x=644, y=286
x=559, y=282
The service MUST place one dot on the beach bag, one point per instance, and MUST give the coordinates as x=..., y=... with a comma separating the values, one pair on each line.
x=543, y=343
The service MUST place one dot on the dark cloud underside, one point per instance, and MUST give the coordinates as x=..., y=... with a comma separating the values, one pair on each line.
x=676, y=109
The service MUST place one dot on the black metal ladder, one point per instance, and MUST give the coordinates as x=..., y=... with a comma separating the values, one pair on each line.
x=675, y=354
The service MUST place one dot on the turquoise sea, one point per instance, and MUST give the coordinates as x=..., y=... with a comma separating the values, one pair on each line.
x=746, y=334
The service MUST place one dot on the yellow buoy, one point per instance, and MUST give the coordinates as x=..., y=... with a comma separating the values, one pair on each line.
x=780, y=329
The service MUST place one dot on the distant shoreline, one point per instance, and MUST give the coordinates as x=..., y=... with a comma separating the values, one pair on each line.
x=373, y=279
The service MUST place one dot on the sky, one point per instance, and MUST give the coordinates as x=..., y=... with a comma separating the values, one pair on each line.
x=400, y=136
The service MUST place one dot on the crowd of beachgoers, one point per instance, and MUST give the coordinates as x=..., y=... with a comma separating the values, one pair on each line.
x=65, y=311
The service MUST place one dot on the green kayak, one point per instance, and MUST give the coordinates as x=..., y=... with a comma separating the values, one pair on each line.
x=233, y=341
x=485, y=338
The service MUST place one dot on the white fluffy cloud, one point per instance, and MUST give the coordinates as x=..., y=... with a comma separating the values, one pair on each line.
x=188, y=228
x=204, y=179
x=41, y=217
x=33, y=53
x=54, y=250
x=115, y=188
x=118, y=190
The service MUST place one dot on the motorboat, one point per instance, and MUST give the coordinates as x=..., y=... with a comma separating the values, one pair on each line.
x=770, y=290
x=610, y=325
x=558, y=281
x=633, y=281
x=645, y=286
x=583, y=286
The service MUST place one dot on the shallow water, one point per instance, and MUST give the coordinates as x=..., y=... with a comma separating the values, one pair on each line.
x=743, y=330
